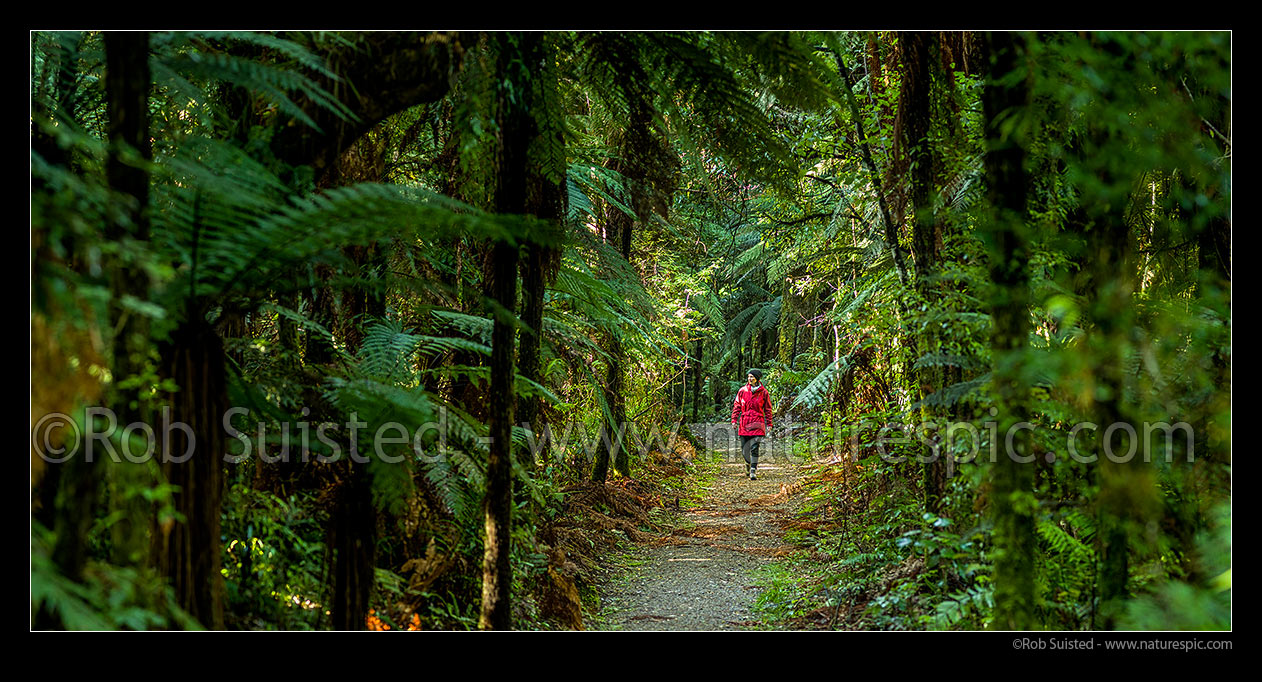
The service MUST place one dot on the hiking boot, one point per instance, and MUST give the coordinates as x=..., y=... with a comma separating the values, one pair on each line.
x=753, y=475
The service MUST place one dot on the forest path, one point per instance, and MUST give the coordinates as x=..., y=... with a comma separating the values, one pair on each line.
x=701, y=575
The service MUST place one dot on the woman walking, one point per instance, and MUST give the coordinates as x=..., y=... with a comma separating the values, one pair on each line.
x=751, y=415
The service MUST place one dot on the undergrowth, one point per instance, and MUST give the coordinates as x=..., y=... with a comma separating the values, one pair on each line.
x=870, y=558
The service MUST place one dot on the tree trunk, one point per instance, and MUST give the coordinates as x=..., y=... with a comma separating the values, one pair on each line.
x=1012, y=499
x=891, y=231
x=617, y=377
x=612, y=447
x=497, y=576
x=545, y=198
x=512, y=195
x=188, y=550
x=1119, y=482
x=534, y=285
x=791, y=314
x=1127, y=489
x=698, y=370
x=1214, y=250
x=353, y=544
x=916, y=117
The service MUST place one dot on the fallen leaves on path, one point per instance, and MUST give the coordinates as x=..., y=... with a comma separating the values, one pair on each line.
x=709, y=531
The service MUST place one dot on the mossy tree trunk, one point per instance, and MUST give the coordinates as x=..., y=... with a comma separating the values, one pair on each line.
x=1006, y=232
x=916, y=115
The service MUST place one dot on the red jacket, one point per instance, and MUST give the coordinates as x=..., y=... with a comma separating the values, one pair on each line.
x=751, y=413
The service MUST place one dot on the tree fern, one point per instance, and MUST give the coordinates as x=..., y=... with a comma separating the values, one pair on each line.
x=747, y=258
x=946, y=360
x=297, y=54
x=445, y=478
x=579, y=206
x=706, y=303
x=178, y=61
x=472, y=327
x=785, y=65
x=212, y=195
x=720, y=102
x=955, y=393
x=875, y=282
x=455, y=474
x=435, y=346
x=386, y=353
x=817, y=388
x=962, y=192
x=740, y=321
x=766, y=317
x=588, y=181
x=563, y=332
x=311, y=326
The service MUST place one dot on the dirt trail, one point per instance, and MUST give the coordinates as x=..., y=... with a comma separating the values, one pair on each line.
x=700, y=577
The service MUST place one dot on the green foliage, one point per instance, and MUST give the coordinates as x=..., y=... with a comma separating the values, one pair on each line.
x=109, y=598
x=1179, y=605
x=758, y=239
x=817, y=388
x=272, y=82
x=975, y=600
x=382, y=388
x=784, y=596
x=1111, y=118
x=273, y=561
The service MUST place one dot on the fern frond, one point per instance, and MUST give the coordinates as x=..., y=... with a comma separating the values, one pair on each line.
x=275, y=83
x=957, y=606
x=1063, y=543
x=785, y=64
x=386, y=351
x=299, y=54
x=469, y=326
x=953, y=394
x=746, y=258
x=602, y=183
x=740, y=321
x=767, y=316
x=876, y=281
x=301, y=320
x=564, y=333
x=235, y=225
x=706, y=303
x=458, y=496
x=1082, y=523
x=479, y=376
x=946, y=360
x=817, y=388
x=579, y=206
x=434, y=346
x=715, y=97
x=525, y=386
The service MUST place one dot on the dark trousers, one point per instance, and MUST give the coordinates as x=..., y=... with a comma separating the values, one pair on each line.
x=749, y=448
